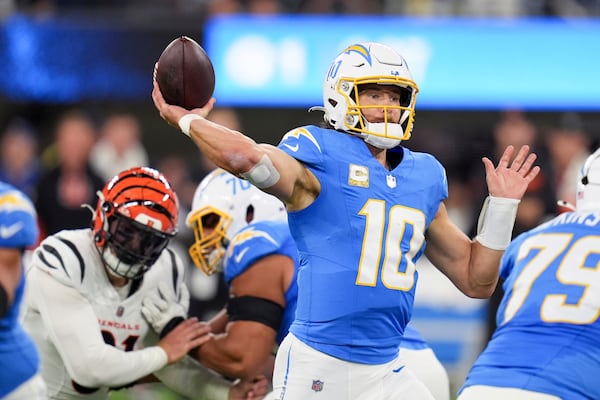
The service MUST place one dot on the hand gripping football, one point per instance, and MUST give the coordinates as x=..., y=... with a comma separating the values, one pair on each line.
x=185, y=74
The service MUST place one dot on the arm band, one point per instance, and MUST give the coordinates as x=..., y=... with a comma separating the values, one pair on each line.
x=250, y=308
x=496, y=222
x=186, y=121
x=263, y=174
x=3, y=302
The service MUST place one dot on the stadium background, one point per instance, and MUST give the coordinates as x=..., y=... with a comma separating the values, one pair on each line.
x=475, y=61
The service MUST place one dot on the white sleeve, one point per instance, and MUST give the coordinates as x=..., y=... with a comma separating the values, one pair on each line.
x=73, y=328
x=191, y=379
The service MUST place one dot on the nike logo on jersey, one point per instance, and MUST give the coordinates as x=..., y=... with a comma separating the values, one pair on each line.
x=292, y=148
x=10, y=230
x=398, y=369
x=296, y=133
x=238, y=257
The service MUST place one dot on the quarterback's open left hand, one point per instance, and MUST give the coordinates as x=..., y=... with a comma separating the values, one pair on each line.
x=163, y=310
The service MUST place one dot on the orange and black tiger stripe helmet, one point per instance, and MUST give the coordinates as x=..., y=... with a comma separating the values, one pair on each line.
x=135, y=217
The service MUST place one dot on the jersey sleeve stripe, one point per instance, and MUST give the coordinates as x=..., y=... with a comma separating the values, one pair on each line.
x=49, y=249
x=77, y=254
x=175, y=274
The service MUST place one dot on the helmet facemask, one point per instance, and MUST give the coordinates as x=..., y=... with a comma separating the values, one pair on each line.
x=210, y=227
x=386, y=134
x=131, y=248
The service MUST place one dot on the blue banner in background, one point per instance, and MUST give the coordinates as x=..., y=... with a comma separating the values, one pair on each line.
x=457, y=63
x=280, y=61
x=67, y=60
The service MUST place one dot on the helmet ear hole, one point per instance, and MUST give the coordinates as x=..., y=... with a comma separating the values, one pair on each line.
x=106, y=206
x=249, y=213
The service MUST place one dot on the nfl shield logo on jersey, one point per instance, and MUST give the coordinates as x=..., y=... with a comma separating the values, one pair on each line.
x=317, y=385
x=391, y=181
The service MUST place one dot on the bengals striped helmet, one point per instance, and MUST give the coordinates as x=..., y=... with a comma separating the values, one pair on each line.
x=134, y=220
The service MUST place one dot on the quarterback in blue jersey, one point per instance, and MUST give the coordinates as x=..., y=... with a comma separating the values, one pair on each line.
x=547, y=343
x=360, y=215
x=19, y=358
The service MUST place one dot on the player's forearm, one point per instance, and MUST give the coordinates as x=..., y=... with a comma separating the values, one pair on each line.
x=227, y=148
x=494, y=232
x=115, y=368
x=219, y=322
x=229, y=359
x=483, y=271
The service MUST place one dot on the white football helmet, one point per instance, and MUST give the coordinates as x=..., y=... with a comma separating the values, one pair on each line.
x=368, y=63
x=224, y=204
x=588, y=184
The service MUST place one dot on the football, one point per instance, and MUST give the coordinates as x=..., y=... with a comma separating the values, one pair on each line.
x=185, y=74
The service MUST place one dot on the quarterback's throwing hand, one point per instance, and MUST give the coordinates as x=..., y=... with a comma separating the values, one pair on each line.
x=511, y=179
x=171, y=113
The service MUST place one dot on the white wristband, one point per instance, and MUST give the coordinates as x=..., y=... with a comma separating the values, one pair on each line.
x=186, y=121
x=496, y=222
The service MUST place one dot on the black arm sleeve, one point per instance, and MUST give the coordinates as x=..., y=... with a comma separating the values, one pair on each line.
x=250, y=308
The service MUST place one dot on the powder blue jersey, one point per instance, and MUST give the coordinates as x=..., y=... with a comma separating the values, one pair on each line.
x=19, y=358
x=548, y=335
x=258, y=240
x=413, y=340
x=358, y=243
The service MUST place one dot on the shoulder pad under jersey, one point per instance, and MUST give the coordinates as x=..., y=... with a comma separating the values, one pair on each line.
x=18, y=219
x=250, y=244
x=65, y=254
x=303, y=144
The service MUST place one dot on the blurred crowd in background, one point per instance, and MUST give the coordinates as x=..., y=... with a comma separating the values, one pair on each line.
x=85, y=152
x=477, y=8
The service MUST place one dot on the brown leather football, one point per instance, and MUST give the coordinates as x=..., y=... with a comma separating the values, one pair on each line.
x=185, y=74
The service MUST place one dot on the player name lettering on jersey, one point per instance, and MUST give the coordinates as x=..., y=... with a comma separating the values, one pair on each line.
x=591, y=219
x=119, y=325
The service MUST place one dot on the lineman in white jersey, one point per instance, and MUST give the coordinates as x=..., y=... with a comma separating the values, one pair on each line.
x=547, y=343
x=84, y=295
